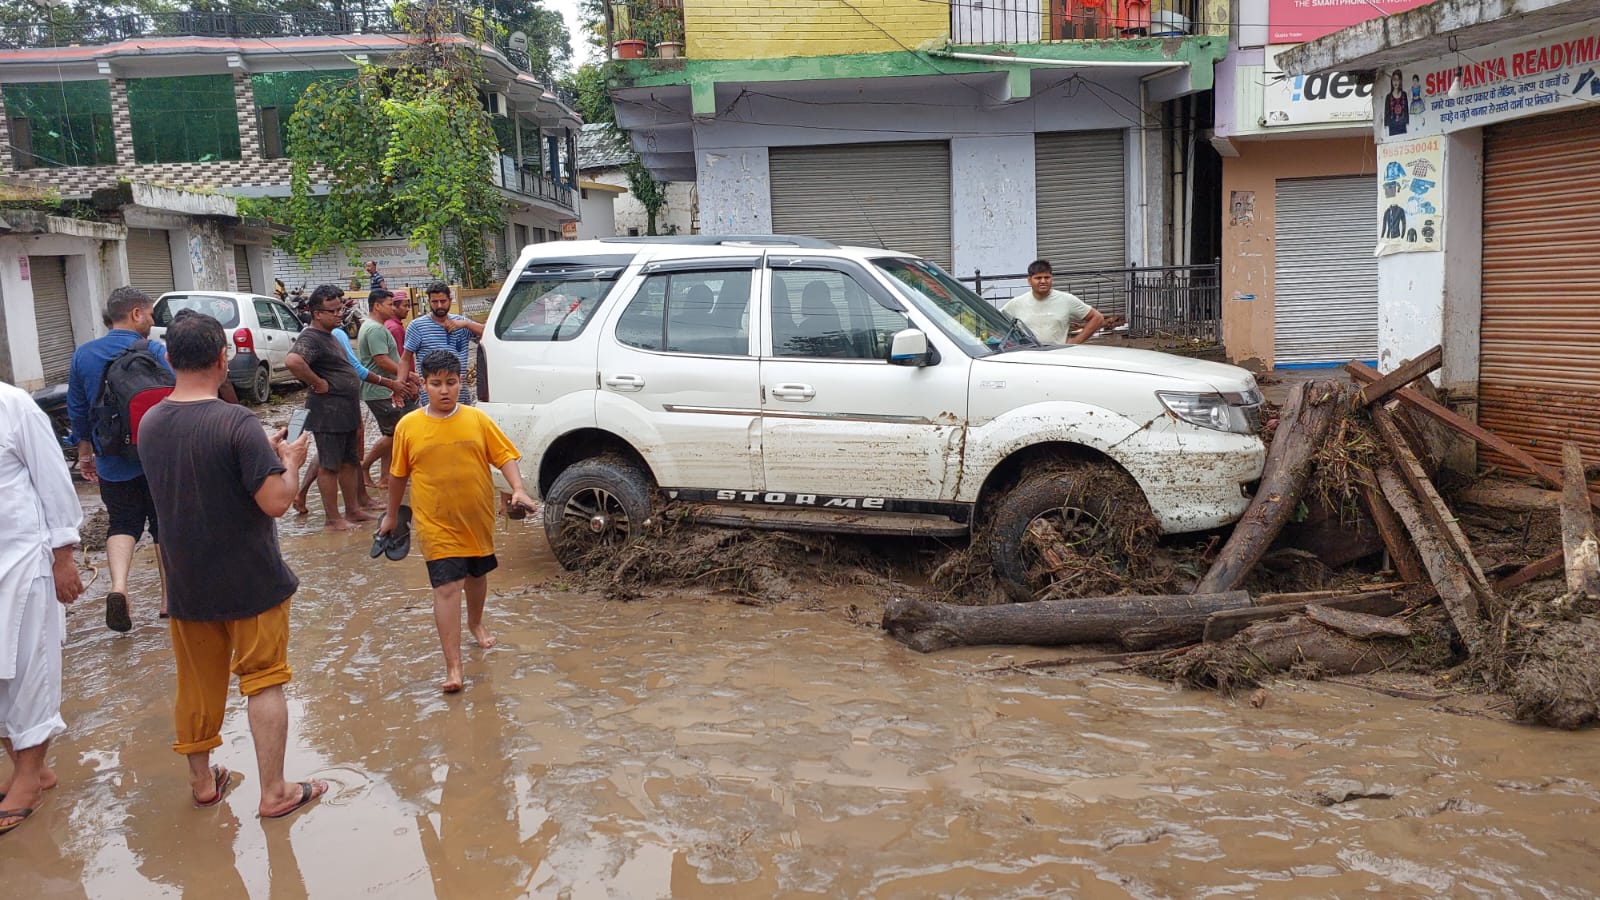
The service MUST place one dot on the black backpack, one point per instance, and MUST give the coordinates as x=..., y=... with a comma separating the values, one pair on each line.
x=133, y=382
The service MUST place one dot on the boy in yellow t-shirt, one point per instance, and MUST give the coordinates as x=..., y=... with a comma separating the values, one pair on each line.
x=445, y=450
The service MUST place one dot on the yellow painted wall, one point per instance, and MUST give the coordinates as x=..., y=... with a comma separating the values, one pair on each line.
x=760, y=29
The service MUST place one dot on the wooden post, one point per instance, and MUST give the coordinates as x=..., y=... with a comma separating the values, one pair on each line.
x=1402, y=555
x=1450, y=574
x=1433, y=506
x=1578, y=542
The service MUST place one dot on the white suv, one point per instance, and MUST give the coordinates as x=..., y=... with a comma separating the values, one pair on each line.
x=786, y=382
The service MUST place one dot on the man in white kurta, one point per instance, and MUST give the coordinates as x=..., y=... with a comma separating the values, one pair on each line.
x=39, y=520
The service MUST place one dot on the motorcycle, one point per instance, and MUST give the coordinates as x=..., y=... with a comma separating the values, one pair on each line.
x=53, y=400
x=300, y=302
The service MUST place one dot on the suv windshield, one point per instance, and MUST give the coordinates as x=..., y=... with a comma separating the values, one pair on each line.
x=968, y=319
x=553, y=303
x=223, y=309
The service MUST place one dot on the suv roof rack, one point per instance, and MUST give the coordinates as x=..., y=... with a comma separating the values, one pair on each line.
x=713, y=240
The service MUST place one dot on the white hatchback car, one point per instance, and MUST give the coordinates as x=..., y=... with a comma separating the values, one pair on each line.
x=261, y=331
x=786, y=382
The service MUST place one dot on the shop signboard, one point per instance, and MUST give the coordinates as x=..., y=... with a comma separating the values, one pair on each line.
x=1336, y=97
x=1410, y=199
x=1298, y=21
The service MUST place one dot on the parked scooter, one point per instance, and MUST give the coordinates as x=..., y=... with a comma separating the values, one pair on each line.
x=53, y=400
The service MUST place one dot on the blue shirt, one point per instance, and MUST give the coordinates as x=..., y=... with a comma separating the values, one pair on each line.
x=425, y=335
x=344, y=341
x=83, y=389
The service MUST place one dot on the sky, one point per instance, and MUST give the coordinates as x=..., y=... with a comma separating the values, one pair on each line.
x=581, y=51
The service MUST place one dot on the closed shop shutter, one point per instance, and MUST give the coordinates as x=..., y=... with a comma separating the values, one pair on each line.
x=1539, y=368
x=1325, y=276
x=874, y=195
x=150, y=261
x=1082, y=200
x=53, y=315
x=241, y=270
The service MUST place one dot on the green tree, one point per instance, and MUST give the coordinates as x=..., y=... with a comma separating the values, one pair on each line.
x=587, y=86
x=650, y=193
x=404, y=147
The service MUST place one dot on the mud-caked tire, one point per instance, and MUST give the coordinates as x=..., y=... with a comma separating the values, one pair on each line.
x=1096, y=507
x=595, y=508
x=260, y=387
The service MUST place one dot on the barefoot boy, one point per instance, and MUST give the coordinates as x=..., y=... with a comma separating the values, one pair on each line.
x=445, y=451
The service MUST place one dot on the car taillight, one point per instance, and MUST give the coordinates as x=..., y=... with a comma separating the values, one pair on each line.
x=242, y=341
x=483, y=375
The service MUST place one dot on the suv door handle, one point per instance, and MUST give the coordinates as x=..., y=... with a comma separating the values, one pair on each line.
x=625, y=382
x=798, y=393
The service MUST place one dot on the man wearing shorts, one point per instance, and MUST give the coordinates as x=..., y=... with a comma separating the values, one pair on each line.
x=123, y=488
x=334, y=404
x=220, y=484
x=377, y=350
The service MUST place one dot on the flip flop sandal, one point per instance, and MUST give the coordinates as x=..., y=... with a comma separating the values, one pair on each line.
x=380, y=544
x=400, y=538
x=20, y=814
x=307, y=794
x=222, y=779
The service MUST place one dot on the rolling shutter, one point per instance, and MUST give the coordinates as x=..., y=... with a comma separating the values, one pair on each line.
x=875, y=195
x=241, y=270
x=53, y=315
x=1326, y=278
x=1539, y=365
x=150, y=261
x=1082, y=200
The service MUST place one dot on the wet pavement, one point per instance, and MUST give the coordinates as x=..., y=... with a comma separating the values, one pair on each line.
x=690, y=746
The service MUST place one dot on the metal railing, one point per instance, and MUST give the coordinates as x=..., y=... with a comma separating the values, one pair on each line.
x=530, y=183
x=1179, y=301
x=1045, y=21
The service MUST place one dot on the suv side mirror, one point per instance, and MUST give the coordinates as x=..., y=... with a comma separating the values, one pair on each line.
x=909, y=348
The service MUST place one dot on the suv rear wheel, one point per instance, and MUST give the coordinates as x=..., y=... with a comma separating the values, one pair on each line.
x=1083, y=509
x=596, y=507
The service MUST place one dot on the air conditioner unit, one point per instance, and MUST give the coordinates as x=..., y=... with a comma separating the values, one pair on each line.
x=496, y=103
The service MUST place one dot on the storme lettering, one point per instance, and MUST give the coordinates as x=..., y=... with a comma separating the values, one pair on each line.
x=779, y=498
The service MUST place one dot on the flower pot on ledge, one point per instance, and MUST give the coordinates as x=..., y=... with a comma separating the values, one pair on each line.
x=669, y=49
x=628, y=49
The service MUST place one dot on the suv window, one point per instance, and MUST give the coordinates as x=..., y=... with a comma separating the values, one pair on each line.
x=827, y=314
x=690, y=312
x=223, y=309
x=552, y=305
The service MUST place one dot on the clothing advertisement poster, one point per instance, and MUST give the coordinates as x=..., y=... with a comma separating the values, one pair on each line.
x=1410, y=207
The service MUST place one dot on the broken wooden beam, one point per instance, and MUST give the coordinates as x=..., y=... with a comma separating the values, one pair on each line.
x=1402, y=555
x=1361, y=626
x=1366, y=375
x=1450, y=574
x=1539, y=568
x=1433, y=506
x=1579, y=546
x=1403, y=375
x=1307, y=417
x=1267, y=648
x=1508, y=495
x=1223, y=625
x=1134, y=622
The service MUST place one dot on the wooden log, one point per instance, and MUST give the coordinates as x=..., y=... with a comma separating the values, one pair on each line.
x=1361, y=626
x=1223, y=625
x=1304, y=426
x=1267, y=648
x=1134, y=622
x=1403, y=375
x=1540, y=568
x=1387, y=587
x=1578, y=543
x=1366, y=375
x=1450, y=574
x=1509, y=496
x=1402, y=555
x=1433, y=506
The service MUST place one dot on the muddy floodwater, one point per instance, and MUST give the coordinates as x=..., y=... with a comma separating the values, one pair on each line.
x=689, y=746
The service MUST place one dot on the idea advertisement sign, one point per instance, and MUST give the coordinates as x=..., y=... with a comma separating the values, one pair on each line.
x=1298, y=21
x=1314, y=99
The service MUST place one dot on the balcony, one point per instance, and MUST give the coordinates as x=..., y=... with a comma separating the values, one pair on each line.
x=526, y=184
x=636, y=29
x=988, y=22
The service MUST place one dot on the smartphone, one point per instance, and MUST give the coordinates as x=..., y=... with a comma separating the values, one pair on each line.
x=297, y=424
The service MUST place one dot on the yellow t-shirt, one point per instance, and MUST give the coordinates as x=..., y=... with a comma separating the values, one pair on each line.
x=448, y=461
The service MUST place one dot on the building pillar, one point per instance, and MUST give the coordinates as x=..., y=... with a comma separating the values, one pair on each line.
x=121, y=122
x=244, y=105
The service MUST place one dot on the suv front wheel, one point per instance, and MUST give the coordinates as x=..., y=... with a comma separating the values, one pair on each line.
x=595, y=508
x=1084, y=509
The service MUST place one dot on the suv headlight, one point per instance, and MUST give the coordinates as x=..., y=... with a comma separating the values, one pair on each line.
x=1237, y=413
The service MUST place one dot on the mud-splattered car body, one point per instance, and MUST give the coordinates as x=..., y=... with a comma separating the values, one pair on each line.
x=773, y=372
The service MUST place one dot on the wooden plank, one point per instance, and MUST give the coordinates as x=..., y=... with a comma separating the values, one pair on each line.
x=1510, y=496
x=1433, y=506
x=1539, y=568
x=1407, y=372
x=1335, y=594
x=1365, y=374
x=1223, y=625
x=1361, y=626
x=1449, y=572
x=1579, y=546
x=1402, y=556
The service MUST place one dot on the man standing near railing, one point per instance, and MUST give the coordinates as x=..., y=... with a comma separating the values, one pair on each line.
x=1050, y=313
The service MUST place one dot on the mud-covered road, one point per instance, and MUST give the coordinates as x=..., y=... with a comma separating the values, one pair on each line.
x=690, y=746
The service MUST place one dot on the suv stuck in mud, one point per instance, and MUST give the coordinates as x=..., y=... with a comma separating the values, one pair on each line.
x=785, y=382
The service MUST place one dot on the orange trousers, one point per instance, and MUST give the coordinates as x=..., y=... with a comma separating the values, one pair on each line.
x=255, y=649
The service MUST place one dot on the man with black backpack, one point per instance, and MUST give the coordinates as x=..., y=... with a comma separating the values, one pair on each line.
x=113, y=381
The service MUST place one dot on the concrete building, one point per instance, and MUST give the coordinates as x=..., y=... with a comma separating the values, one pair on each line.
x=1490, y=204
x=976, y=134
x=203, y=101
x=601, y=155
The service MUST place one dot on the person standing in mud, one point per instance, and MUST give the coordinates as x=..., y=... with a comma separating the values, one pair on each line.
x=444, y=451
x=38, y=577
x=222, y=483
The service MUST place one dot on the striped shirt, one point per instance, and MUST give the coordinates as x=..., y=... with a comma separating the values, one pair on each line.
x=425, y=335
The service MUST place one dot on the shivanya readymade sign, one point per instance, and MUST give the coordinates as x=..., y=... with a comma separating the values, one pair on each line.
x=1508, y=80
x=1313, y=99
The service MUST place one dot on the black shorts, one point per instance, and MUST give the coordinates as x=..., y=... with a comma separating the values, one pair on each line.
x=129, y=508
x=337, y=448
x=388, y=415
x=454, y=568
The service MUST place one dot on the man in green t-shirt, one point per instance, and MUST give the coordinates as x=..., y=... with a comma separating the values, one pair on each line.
x=376, y=349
